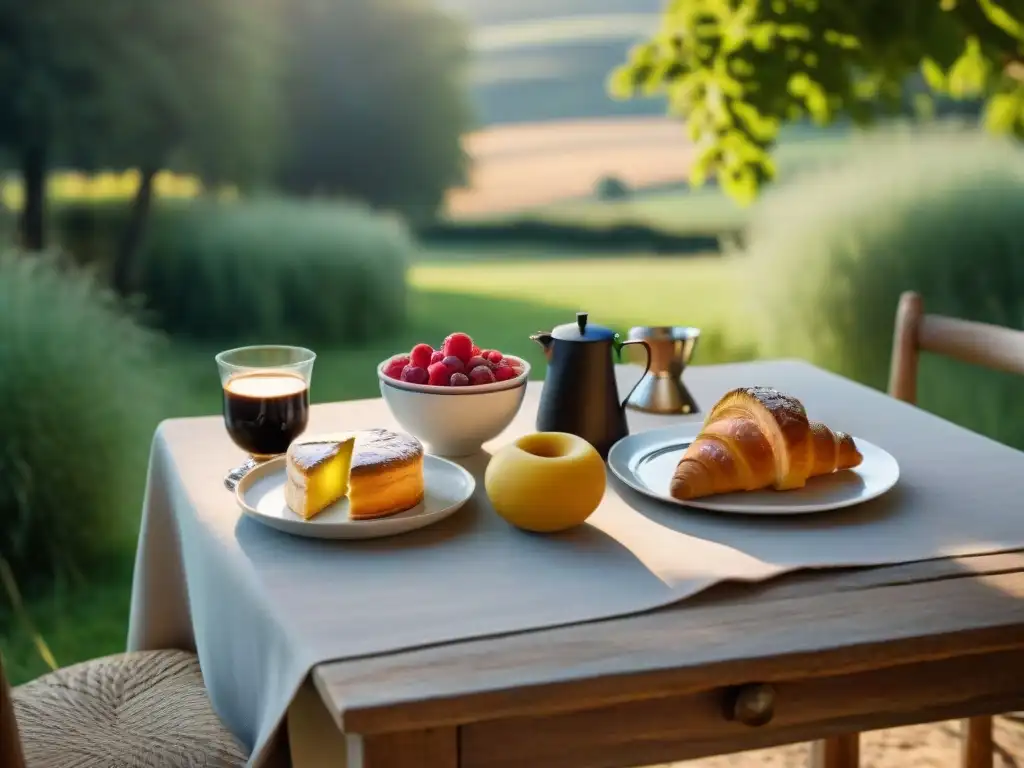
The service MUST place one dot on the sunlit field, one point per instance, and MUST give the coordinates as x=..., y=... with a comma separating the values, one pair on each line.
x=633, y=290
x=71, y=186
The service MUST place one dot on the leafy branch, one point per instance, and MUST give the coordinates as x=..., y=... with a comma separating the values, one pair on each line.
x=735, y=70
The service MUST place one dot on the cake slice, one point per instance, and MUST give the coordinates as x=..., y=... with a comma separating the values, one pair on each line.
x=318, y=472
x=386, y=476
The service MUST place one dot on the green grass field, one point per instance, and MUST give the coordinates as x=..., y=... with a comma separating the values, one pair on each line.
x=500, y=302
x=618, y=292
x=679, y=211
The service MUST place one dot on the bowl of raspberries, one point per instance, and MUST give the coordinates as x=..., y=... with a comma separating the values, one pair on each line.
x=455, y=397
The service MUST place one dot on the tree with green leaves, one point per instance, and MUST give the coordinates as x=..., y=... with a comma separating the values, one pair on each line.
x=735, y=70
x=376, y=103
x=125, y=84
x=197, y=91
x=49, y=84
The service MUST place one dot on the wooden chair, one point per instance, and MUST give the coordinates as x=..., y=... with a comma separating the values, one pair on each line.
x=989, y=346
x=140, y=709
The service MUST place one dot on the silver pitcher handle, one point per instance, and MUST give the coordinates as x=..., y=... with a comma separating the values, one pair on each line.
x=647, y=370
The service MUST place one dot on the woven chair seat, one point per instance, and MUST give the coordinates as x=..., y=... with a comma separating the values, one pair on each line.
x=134, y=710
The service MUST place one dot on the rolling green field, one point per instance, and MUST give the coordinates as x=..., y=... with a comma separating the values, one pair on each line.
x=500, y=302
x=619, y=292
x=678, y=209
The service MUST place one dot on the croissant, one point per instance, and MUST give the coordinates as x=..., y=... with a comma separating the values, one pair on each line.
x=756, y=438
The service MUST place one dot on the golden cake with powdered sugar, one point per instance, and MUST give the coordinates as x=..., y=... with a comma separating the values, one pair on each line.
x=380, y=471
x=386, y=476
x=317, y=473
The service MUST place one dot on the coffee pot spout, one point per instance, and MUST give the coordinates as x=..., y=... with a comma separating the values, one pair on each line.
x=544, y=339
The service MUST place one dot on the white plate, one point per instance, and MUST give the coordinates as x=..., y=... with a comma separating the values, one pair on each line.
x=646, y=461
x=260, y=494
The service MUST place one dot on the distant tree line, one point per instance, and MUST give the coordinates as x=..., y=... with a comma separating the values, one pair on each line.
x=357, y=98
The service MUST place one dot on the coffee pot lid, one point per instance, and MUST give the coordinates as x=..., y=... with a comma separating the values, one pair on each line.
x=581, y=330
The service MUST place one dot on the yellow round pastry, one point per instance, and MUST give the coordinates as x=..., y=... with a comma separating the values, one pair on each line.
x=546, y=481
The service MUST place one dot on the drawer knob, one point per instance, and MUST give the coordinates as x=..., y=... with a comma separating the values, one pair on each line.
x=752, y=704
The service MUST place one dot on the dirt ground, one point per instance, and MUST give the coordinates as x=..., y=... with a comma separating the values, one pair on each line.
x=920, y=746
x=523, y=166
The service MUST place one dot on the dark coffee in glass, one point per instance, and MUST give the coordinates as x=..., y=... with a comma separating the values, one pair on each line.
x=266, y=400
x=264, y=412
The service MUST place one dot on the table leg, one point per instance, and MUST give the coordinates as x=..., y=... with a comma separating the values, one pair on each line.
x=316, y=742
x=431, y=748
x=978, y=746
x=313, y=736
x=837, y=752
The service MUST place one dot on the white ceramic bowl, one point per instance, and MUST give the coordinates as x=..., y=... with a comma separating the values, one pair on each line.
x=454, y=421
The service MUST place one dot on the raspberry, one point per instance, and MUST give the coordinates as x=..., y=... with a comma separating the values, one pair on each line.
x=460, y=345
x=414, y=374
x=437, y=357
x=439, y=374
x=475, y=361
x=504, y=373
x=454, y=364
x=476, y=350
x=393, y=370
x=421, y=354
x=493, y=356
x=481, y=375
x=459, y=380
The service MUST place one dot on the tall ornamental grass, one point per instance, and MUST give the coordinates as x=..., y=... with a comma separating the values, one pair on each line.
x=78, y=403
x=942, y=214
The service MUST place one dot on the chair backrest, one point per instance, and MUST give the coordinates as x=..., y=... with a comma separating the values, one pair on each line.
x=990, y=346
x=10, y=742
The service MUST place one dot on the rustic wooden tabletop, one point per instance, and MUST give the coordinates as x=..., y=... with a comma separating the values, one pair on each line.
x=839, y=652
x=741, y=666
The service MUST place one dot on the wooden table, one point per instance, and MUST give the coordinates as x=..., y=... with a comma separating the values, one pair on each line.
x=741, y=667
x=804, y=657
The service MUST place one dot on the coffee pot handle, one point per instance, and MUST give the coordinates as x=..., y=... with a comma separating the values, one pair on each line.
x=646, y=370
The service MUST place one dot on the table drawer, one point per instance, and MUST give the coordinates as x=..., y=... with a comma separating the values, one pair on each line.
x=761, y=714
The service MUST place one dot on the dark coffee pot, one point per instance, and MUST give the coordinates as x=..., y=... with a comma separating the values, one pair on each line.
x=580, y=395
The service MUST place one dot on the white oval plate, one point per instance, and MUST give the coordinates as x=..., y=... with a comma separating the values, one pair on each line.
x=260, y=494
x=645, y=462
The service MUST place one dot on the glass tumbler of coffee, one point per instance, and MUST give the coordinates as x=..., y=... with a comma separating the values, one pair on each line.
x=266, y=400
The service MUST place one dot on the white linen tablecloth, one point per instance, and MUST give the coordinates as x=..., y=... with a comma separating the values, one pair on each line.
x=262, y=608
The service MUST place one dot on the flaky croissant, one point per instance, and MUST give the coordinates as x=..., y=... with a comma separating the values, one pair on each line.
x=758, y=438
